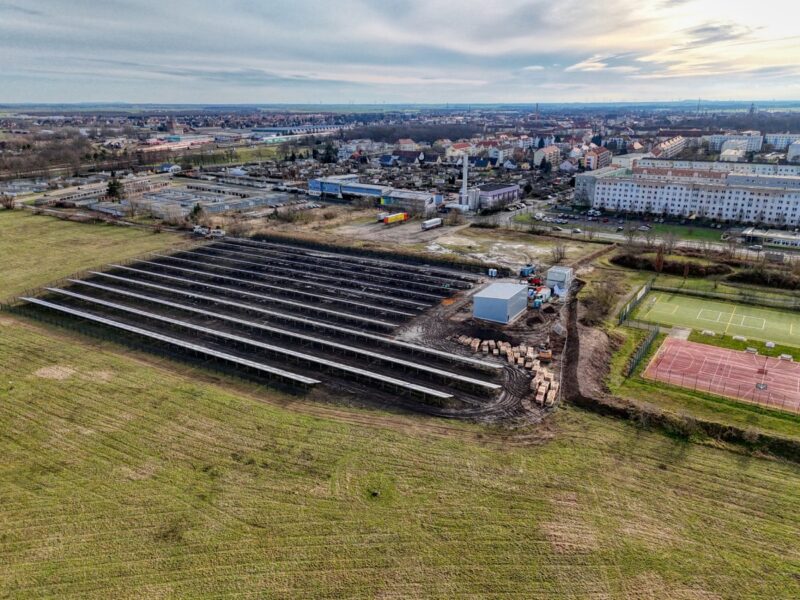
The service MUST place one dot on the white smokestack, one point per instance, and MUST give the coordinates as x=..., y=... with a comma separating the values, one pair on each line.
x=464, y=178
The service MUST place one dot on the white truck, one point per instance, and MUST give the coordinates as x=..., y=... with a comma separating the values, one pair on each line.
x=432, y=224
x=200, y=230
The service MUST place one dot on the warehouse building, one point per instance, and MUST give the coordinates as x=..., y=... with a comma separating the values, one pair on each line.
x=492, y=195
x=418, y=203
x=500, y=302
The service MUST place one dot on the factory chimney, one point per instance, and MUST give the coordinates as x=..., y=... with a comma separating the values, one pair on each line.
x=464, y=174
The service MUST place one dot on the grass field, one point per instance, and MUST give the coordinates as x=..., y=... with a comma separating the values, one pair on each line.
x=122, y=478
x=35, y=250
x=768, y=324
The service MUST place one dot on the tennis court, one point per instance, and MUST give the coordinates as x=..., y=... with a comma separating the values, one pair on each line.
x=753, y=322
x=731, y=373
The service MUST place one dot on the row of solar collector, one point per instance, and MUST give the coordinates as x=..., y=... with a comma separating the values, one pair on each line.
x=318, y=362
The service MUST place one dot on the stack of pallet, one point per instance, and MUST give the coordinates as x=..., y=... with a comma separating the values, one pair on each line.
x=544, y=388
x=524, y=356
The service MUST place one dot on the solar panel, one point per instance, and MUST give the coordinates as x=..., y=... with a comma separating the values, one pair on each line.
x=305, y=275
x=309, y=322
x=176, y=342
x=286, y=333
x=298, y=305
x=394, y=271
x=323, y=362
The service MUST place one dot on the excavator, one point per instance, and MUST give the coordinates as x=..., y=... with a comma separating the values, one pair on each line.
x=545, y=353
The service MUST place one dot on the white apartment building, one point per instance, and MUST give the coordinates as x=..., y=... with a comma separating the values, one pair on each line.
x=701, y=165
x=714, y=194
x=671, y=147
x=781, y=141
x=597, y=158
x=551, y=153
x=753, y=140
x=793, y=151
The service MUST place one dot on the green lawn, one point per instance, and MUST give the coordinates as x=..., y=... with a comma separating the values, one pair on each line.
x=35, y=250
x=766, y=324
x=687, y=232
x=125, y=479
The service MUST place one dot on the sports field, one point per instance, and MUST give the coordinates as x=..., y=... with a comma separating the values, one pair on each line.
x=732, y=373
x=768, y=324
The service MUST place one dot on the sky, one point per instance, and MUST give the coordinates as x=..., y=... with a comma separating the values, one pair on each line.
x=397, y=51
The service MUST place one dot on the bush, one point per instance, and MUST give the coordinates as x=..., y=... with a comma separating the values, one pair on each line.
x=644, y=262
x=785, y=280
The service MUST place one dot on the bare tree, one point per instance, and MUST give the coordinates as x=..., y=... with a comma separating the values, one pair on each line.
x=558, y=252
x=630, y=234
x=650, y=239
x=669, y=241
x=7, y=201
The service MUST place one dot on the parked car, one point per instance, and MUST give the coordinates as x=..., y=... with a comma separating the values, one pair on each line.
x=576, y=230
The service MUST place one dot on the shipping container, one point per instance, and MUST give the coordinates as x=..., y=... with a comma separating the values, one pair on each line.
x=395, y=218
x=431, y=224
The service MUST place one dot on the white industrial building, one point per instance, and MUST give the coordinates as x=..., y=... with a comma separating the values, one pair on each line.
x=500, y=302
x=559, y=279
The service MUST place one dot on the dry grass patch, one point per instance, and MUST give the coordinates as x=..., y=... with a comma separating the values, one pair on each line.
x=56, y=372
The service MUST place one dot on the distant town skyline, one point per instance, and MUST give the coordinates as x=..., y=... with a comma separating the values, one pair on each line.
x=394, y=51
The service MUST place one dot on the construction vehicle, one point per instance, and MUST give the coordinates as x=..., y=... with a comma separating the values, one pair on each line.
x=545, y=353
x=535, y=281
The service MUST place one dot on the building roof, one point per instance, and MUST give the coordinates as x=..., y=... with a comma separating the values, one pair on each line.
x=502, y=291
x=493, y=187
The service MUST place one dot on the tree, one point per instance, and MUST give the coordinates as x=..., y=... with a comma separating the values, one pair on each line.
x=329, y=154
x=630, y=234
x=540, y=145
x=114, y=188
x=545, y=166
x=558, y=253
x=6, y=201
x=597, y=140
x=649, y=238
x=197, y=213
x=670, y=240
x=659, y=266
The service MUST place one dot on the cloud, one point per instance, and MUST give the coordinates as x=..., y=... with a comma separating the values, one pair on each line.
x=13, y=8
x=599, y=63
x=393, y=50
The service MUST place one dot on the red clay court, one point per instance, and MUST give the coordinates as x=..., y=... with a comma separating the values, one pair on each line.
x=731, y=373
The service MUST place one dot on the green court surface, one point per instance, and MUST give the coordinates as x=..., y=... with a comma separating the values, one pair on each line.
x=766, y=324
